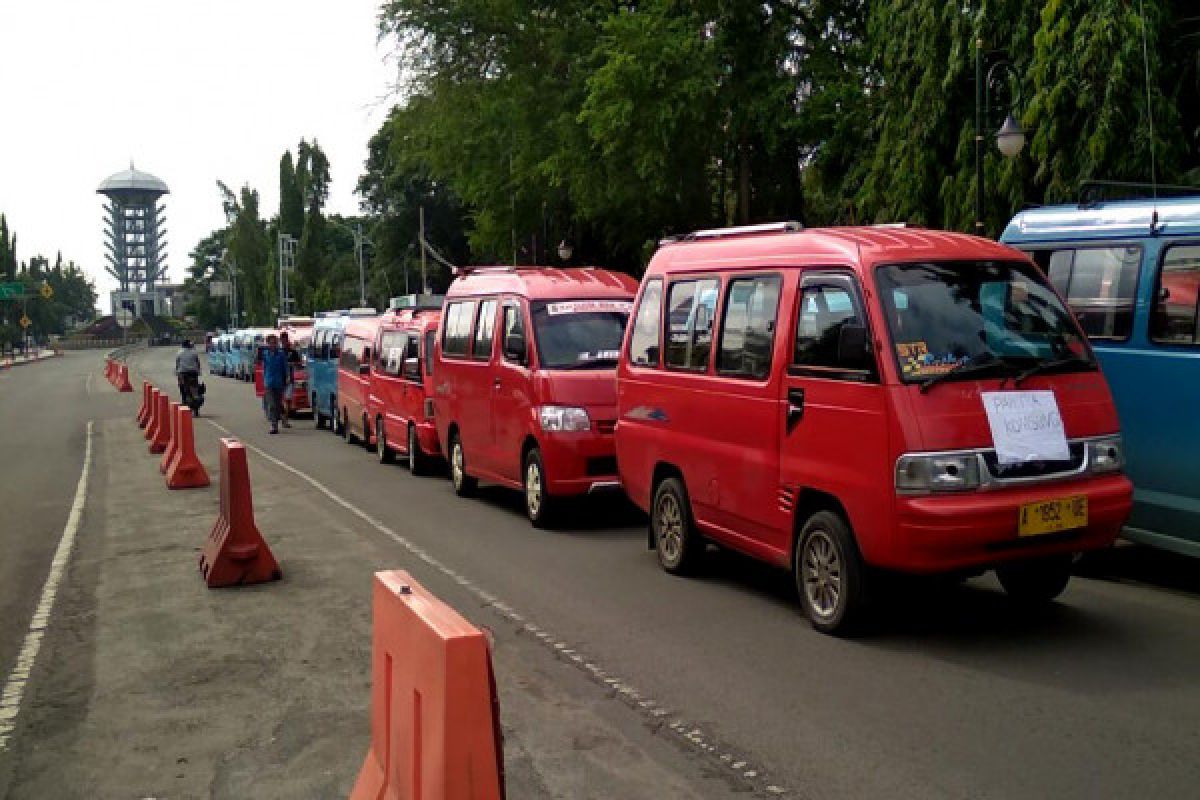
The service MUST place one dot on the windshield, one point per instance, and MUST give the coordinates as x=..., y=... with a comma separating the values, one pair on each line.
x=580, y=334
x=947, y=314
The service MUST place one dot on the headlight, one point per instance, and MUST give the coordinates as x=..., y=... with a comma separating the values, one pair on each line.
x=937, y=473
x=1106, y=455
x=564, y=418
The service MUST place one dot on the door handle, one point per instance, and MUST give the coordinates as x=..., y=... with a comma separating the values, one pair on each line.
x=795, y=407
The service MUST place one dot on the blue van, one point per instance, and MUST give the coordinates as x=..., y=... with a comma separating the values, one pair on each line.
x=324, y=350
x=1130, y=270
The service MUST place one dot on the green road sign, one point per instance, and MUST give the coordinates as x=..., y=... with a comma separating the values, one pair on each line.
x=8, y=291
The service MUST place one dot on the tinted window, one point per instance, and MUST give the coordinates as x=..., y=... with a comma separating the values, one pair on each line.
x=825, y=309
x=580, y=334
x=514, y=324
x=335, y=345
x=1099, y=284
x=1174, y=319
x=644, y=343
x=485, y=330
x=691, y=305
x=748, y=327
x=392, y=352
x=430, y=338
x=457, y=327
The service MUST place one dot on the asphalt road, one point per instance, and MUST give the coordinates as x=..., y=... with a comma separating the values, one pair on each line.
x=954, y=694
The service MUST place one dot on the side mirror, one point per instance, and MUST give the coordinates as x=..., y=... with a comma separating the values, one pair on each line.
x=852, y=344
x=364, y=369
x=412, y=369
x=514, y=347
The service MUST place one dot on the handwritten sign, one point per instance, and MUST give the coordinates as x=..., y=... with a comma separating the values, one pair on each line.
x=1026, y=426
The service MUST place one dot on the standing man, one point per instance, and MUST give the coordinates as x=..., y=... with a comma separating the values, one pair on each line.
x=275, y=370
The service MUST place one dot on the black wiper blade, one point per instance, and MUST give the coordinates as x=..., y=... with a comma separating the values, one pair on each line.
x=1059, y=363
x=968, y=368
x=592, y=363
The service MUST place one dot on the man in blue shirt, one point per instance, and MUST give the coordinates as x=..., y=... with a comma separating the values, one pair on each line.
x=275, y=377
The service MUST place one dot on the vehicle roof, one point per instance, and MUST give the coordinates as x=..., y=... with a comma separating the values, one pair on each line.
x=362, y=327
x=865, y=245
x=336, y=323
x=539, y=283
x=1115, y=219
x=411, y=319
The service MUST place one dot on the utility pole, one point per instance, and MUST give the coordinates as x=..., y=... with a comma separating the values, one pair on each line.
x=424, y=287
x=362, y=274
x=287, y=264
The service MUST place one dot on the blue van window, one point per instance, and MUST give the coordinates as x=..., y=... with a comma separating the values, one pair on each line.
x=1174, y=320
x=1099, y=284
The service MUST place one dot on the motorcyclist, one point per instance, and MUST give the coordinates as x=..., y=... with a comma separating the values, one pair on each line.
x=187, y=370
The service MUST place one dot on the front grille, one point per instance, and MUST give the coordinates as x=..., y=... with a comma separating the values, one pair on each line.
x=601, y=465
x=1036, y=469
x=606, y=425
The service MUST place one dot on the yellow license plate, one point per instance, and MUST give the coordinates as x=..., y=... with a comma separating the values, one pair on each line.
x=1050, y=516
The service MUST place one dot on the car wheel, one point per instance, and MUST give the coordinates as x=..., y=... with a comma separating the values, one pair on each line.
x=416, y=459
x=675, y=539
x=464, y=484
x=385, y=453
x=347, y=433
x=335, y=422
x=1035, y=583
x=829, y=574
x=318, y=417
x=539, y=505
x=366, y=435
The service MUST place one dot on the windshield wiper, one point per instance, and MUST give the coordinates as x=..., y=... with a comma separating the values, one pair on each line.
x=968, y=368
x=591, y=363
x=1059, y=363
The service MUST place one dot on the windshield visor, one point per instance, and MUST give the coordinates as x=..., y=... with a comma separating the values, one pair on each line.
x=580, y=334
x=947, y=314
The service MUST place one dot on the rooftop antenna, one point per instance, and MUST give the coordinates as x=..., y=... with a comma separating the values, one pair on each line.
x=1149, y=117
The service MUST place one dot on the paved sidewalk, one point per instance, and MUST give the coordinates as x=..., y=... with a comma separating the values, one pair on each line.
x=152, y=685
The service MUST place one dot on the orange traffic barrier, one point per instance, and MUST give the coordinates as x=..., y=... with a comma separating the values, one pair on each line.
x=162, y=433
x=236, y=553
x=143, y=415
x=185, y=470
x=108, y=369
x=172, y=437
x=434, y=714
x=152, y=414
x=123, y=384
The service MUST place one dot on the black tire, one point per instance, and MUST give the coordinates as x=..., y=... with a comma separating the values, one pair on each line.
x=1035, y=583
x=464, y=484
x=366, y=435
x=347, y=434
x=678, y=545
x=417, y=461
x=335, y=421
x=385, y=453
x=540, y=507
x=829, y=573
x=318, y=417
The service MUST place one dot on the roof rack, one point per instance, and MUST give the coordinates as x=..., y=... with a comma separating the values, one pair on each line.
x=416, y=302
x=1092, y=192
x=362, y=311
x=735, y=230
x=889, y=225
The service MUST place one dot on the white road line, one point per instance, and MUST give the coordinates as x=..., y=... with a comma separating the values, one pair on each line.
x=650, y=709
x=14, y=687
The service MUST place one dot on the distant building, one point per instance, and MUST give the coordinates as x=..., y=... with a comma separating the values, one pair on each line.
x=136, y=242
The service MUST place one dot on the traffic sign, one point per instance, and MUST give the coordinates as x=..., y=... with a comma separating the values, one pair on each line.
x=124, y=317
x=9, y=291
x=47, y=290
x=24, y=321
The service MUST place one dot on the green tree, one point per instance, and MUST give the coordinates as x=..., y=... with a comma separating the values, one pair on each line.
x=291, y=197
x=249, y=249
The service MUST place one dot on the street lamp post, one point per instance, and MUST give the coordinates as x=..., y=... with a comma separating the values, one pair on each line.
x=1010, y=139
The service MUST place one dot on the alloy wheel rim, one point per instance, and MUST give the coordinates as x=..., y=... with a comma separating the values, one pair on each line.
x=456, y=465
x=380, y=442
x=670, y=528
x=822, y=574
x=412, y=450
x=533, y=489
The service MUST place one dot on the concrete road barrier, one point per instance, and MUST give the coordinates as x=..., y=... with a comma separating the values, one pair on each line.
x=236, y=553
x=185, y=470
x=162, y=425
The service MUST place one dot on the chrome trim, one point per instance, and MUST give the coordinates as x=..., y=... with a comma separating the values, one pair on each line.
x=987, y=480
x=604, y=486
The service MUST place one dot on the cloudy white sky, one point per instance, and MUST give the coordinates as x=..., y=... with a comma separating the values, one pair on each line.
x=192, y=93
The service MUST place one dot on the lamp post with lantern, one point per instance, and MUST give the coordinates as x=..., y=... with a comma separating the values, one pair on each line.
x=1010, y=138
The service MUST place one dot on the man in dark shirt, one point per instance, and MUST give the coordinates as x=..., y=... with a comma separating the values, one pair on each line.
x=275, y=372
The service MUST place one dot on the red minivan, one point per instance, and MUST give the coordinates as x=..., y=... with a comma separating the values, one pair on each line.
x=400, y=402
x=851, y=398
x=354, y=379
x=525, y=380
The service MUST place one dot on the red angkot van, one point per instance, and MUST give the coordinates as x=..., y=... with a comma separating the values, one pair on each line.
x=354, y=379
x=525, y=380
x=843, y=399
x=400, y=402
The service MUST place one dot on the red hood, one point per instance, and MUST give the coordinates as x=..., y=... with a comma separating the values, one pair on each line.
x=584, y=388
x=950, y=416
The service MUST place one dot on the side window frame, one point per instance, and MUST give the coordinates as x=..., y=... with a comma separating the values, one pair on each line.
x=514, y=306
x=482, y=303
x=1075, y=247
x=453, y=311
x=1194, y=345
x=658, y=344
x=723, y=314
x=836, y=279
x=665, y=322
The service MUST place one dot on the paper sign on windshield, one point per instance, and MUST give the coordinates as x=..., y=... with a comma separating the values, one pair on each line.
x=590, y=307
x=1026, y=426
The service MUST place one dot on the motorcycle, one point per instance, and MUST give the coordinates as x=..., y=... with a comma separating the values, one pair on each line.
x=193, y=391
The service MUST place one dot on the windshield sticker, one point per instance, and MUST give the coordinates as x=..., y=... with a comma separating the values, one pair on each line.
x=917, y=362
x=590, y=307
x=1026, y=426
x=600, y=355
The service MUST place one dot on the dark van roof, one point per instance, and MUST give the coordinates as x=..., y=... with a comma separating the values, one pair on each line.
x=866, y=245
x=539, y=283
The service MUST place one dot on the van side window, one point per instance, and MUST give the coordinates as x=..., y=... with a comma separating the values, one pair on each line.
x=349, y=359
x=1176, y=315
x=824, y=309
x=485, y=331
x=691, y=306
x=748, y=327
x=457, y=327
x=391, y=352
x=1099, y=284
x=644, y=344
x=335, y=345
x=514, y=325
x=430, y=340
